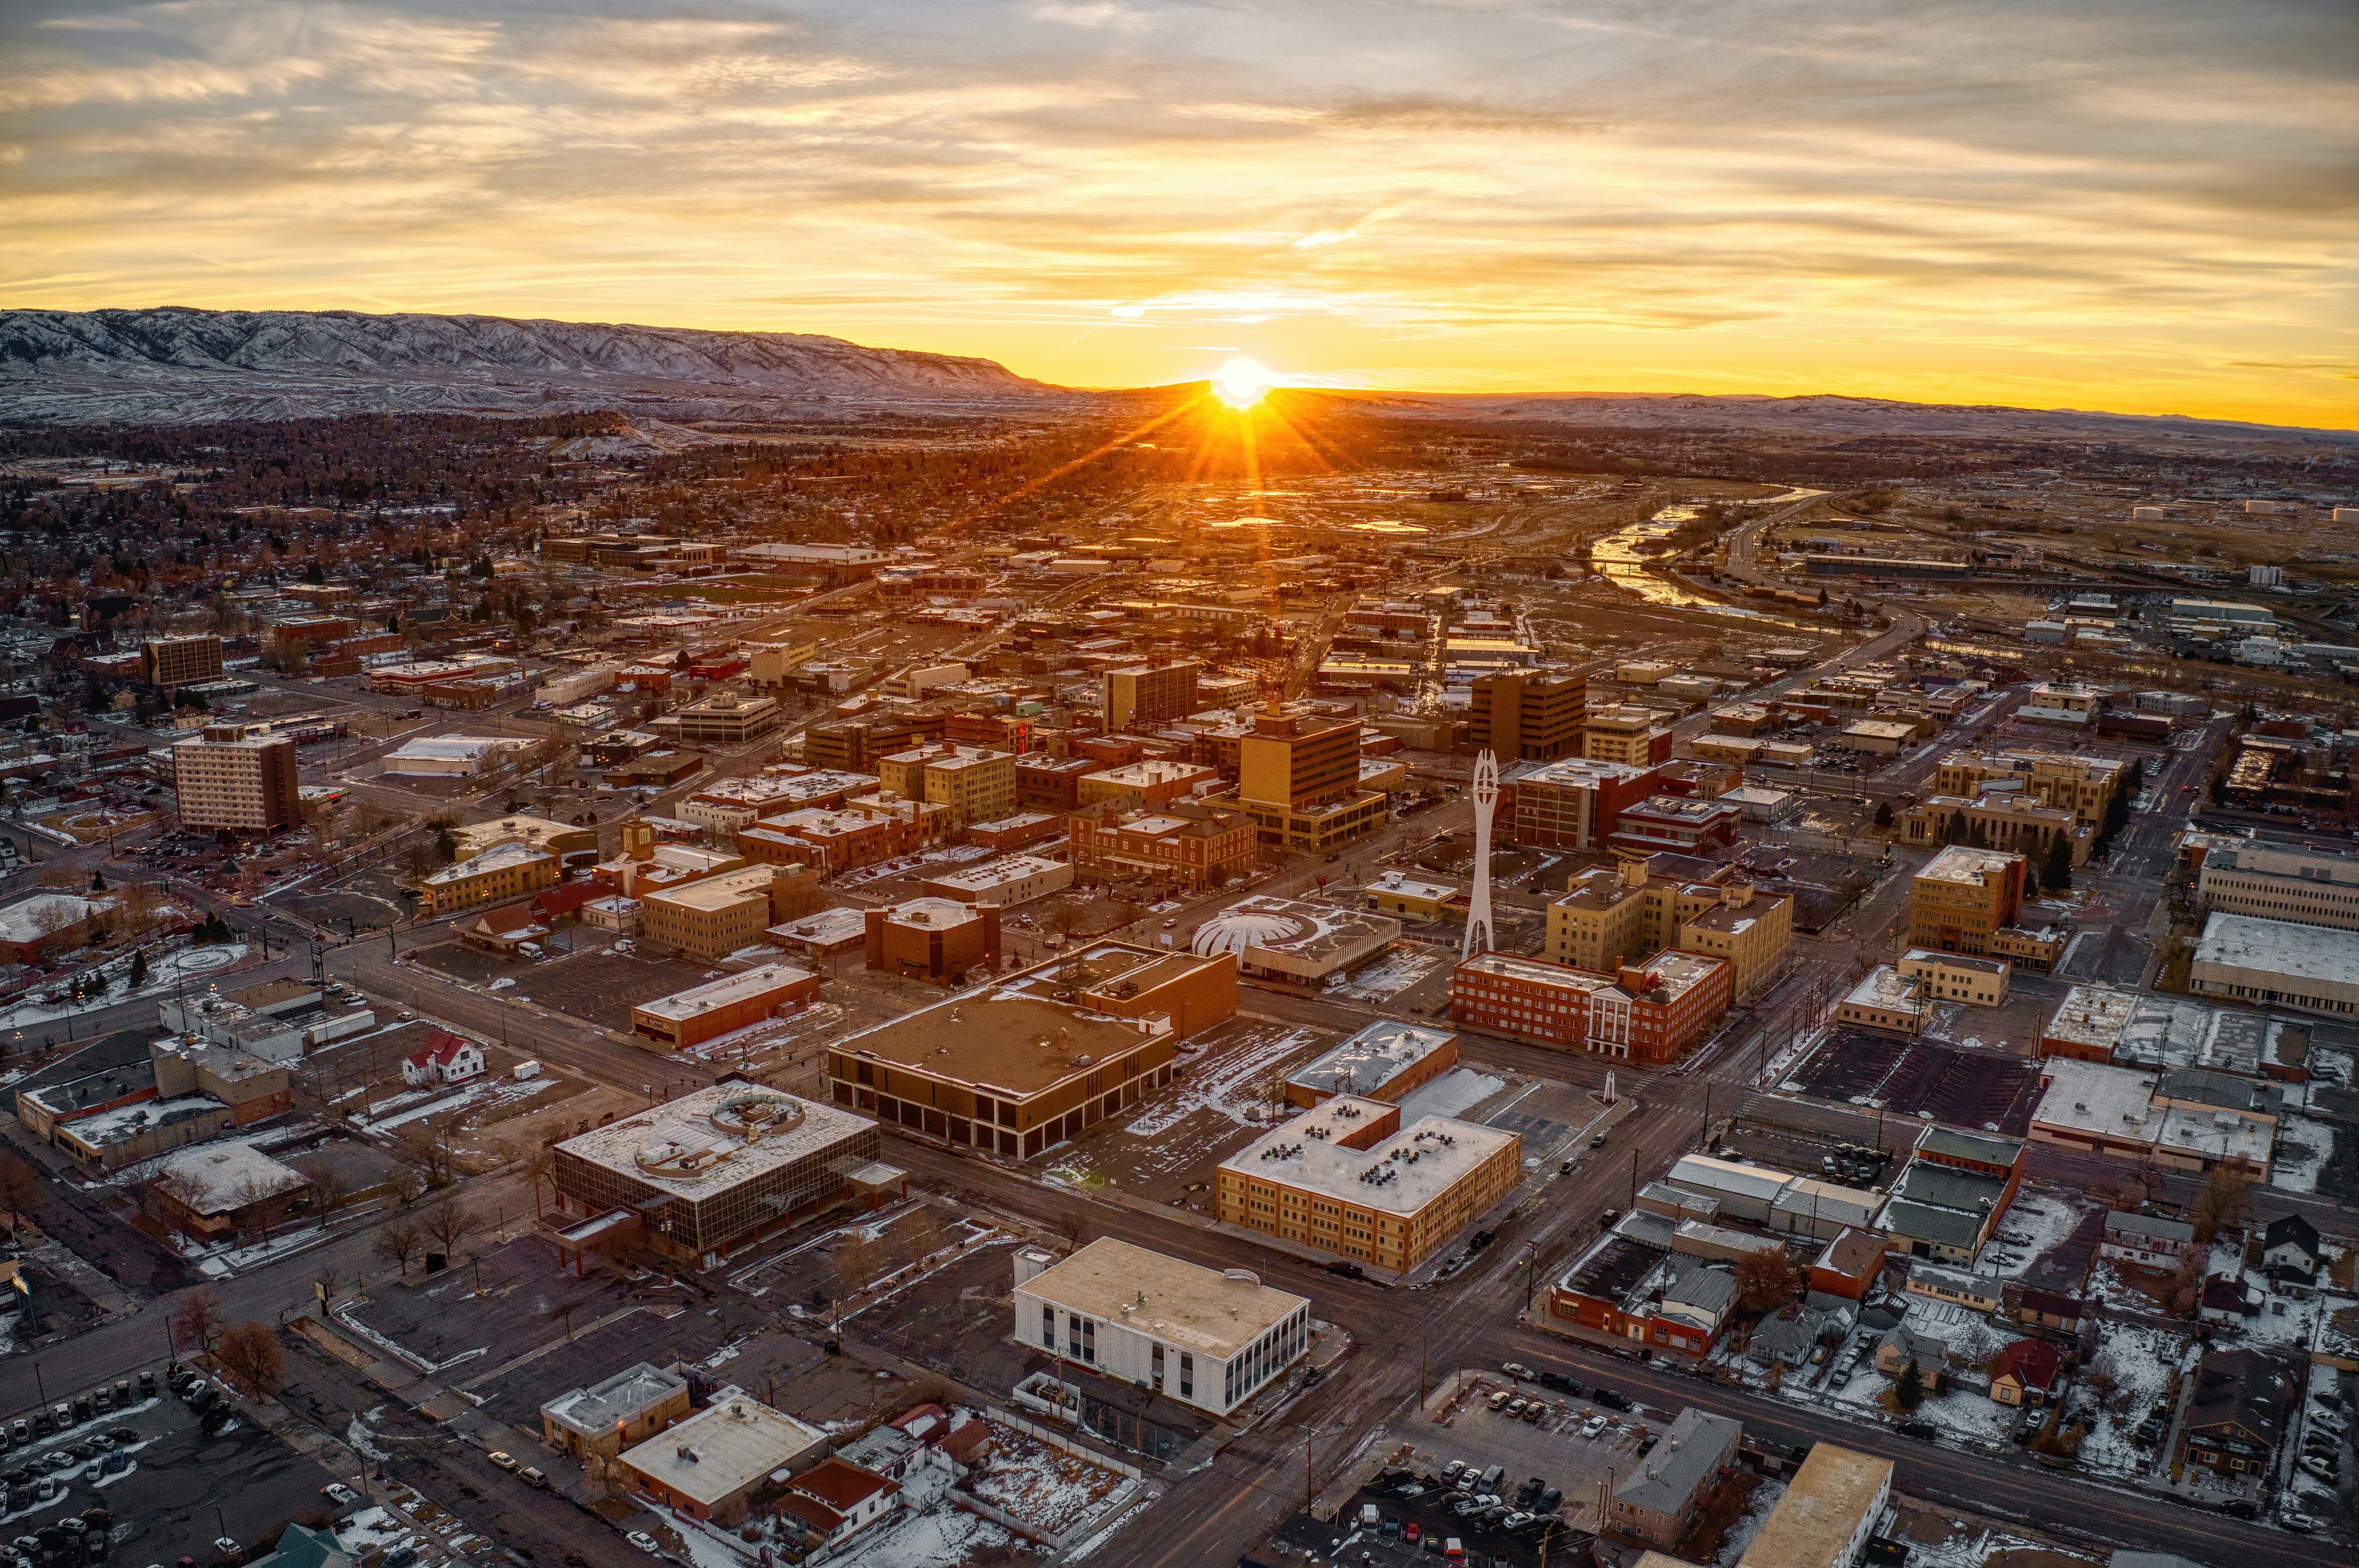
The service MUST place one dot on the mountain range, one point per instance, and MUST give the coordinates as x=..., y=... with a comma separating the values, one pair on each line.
x=175, y=365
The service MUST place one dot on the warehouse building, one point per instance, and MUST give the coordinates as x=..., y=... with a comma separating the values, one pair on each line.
x=2281, y=963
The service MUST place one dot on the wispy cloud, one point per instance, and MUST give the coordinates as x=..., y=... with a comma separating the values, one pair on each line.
x=2143, y=205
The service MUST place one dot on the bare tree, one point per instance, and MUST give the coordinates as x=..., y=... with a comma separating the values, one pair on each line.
x=398, y=1243
x=1766, y=1280
x=21, y=1187
x=197, y=1320
x=249, y=1357
x=329, y=1188
x=325, y=1282
x=2221, y=1201
x=2185, y=1293
x=449, y=1223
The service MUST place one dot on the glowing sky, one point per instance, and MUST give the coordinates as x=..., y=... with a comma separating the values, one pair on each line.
x=2144, y=205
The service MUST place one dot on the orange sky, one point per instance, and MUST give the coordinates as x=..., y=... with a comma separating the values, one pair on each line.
x=2146, y=208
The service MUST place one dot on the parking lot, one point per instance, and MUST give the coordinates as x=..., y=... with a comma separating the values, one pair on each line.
x=172, y=1487
x=1572, y=1444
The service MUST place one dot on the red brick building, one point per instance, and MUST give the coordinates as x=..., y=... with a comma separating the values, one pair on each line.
x=1650, y=1014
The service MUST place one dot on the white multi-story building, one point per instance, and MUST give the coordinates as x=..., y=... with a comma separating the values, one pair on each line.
x=2270, y=883
x=1206, y=1337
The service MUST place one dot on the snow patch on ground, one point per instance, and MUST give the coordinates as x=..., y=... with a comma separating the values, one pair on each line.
x=1046, y=1489
x=1229, y=1085
x=166, y=971
x=1389, y=975
x=2303, y=1149
x=1748, y=1524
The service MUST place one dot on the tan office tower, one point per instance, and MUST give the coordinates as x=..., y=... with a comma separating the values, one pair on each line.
x=169, y=662
x=226, y=779
x=1149, y=694
x=1529, y=715
x=1298, y=779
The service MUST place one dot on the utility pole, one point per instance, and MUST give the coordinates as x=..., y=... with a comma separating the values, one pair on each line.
x=1634, y=1180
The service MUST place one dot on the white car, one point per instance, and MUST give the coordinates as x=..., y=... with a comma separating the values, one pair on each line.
x=643, y=1540
x=336, y=1492
x=1594, y=1425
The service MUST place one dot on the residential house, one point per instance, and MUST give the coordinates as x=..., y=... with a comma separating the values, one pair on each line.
x=2025, y=1372
x=2227, y=1302
x=447, y=1059
x=2290, y=1253
x=2149, y=1241
x=2238, y=1413
x=838, y=1499
x=1902, y=1345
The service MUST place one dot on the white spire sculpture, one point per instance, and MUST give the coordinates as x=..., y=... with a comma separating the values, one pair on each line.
x=1479, y=935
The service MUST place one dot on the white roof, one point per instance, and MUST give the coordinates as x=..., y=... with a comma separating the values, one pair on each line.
x=2094, y=1098
x=998, y=873
x=497, y=857
x=222, y=1176
x=736, y=1441
x=1960, y=864
x=1703, y=1174
x=452, y=748
x=2281, y=947
x=1376, y=1055
x=1306, y=1152
x=681, y=1005
x=1884, y=987
x=697, y=1146
x=1216, y=1312
x=22, y=922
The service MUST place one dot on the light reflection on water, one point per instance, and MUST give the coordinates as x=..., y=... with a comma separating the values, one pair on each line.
x=1618, y=558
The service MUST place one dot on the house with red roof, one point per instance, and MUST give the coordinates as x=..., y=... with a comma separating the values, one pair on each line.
x=2025, y=1372
x=837, y=1499
x=447, y=1059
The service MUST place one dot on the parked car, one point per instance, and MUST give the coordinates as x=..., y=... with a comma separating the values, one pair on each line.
x=1593, y=1426
x=643, y=1540
x=336, y=1492
x=503, y=1460
x=1517, y=1370
x=1924, y=1431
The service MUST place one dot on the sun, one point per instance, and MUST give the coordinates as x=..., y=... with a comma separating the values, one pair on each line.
x=1240, y=382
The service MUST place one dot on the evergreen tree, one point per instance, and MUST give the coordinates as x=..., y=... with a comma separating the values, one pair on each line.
x=1909, y=1391
x=1884, y=814
x=2058, y=873
x=139, y=968
x=1954, y=830
x=98, y=882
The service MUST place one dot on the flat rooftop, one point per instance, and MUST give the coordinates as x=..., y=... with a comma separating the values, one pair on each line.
x=998, y=873
x=1964, y=866
x=1372, y=1058
x=1884, y=987
x=1004, y=1042
x=1209, y=1310
x=2092, y=1015
x=600, y=1408
x=737, y=1441
x=2287, y=947
x=1578, y=773
x=1956, y=961
x=682, y=1005
x=1410, y=1169
x=721, y=890
x=701, y=1145
x=1821, y=1509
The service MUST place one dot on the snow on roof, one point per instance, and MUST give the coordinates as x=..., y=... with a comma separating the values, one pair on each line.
x=1418, y=1164
x=2280, y=946
x=25, y=923
x=213, y=1178
x=681, y=1005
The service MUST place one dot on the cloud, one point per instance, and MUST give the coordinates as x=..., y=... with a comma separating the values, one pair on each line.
x=2159, y=193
